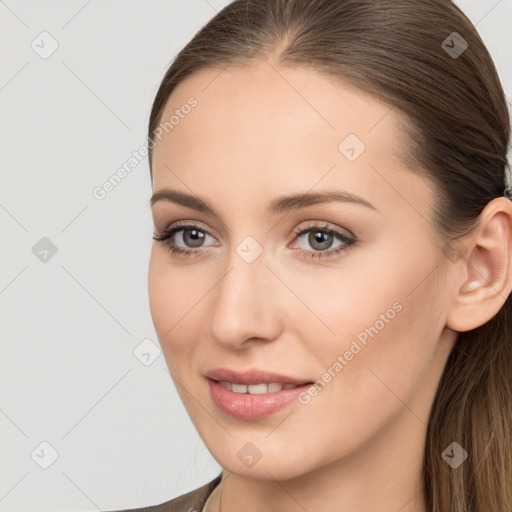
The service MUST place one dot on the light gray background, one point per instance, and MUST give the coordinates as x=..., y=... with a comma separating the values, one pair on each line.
x=69, y=326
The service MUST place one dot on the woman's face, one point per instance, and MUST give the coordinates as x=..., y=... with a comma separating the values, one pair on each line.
x=357, y=303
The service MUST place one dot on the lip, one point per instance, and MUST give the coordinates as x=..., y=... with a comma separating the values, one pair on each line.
x=244, y=406
x=253, y=376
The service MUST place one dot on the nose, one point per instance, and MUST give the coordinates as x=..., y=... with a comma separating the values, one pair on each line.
x=246, y=307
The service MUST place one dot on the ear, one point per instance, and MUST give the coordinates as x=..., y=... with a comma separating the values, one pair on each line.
x=484, y=276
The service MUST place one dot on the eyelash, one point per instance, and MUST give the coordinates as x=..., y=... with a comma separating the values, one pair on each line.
x=166, y=239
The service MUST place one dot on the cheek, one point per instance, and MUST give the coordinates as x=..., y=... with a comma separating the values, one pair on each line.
x=386, y=344
x=384, y=328
x=387, y=320
x=165, y=291
x=177, y=303
x=170, y=293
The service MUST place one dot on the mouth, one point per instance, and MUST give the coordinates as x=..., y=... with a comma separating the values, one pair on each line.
x=254, y=380
x=258, y=389
x=253, y=394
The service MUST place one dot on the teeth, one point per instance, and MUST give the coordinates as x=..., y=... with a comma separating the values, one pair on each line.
x=256, y=389
x=239, y=388
x=226, y=384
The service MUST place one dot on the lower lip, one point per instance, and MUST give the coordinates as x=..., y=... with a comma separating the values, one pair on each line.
x=245, y=406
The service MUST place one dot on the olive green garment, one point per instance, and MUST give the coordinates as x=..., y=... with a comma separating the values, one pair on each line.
x=192, y=501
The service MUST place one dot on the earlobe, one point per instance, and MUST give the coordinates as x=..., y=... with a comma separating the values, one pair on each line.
x=470, y=286
x=486, y=273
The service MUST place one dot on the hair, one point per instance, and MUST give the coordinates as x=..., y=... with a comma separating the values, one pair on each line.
x=456, y=133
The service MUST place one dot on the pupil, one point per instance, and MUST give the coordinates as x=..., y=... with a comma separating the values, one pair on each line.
x=320, y=238
x=196, y=237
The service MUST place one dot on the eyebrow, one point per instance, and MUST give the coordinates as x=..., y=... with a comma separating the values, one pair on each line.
x=281, y=204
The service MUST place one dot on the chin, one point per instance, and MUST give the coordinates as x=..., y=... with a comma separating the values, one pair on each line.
x=259, y=458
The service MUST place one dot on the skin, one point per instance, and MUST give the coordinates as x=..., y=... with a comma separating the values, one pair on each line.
x=259, y=132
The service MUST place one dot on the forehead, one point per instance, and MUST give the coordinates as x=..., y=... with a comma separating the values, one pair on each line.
x=265, y=101
x=282, y=128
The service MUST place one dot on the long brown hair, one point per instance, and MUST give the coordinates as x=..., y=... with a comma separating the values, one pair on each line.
x=405, y=52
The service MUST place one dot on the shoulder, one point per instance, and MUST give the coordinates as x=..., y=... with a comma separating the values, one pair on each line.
x=192, y=501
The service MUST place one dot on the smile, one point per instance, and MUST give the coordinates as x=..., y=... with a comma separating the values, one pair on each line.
x=256, y=389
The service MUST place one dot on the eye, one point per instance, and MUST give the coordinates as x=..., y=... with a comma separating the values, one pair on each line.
x=191, y=235
x=321, y=238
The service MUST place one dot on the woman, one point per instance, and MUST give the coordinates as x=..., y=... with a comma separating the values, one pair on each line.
x=331, y=270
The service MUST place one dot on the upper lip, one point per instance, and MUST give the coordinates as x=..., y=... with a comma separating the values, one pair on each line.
x=253, y=376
